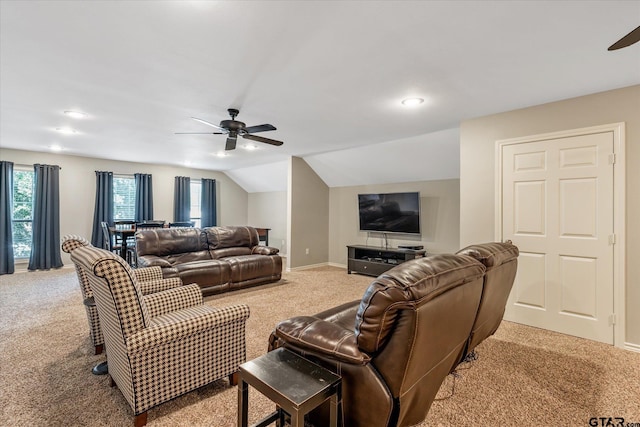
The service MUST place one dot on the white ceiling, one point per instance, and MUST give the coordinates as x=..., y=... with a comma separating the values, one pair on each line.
x=329, y=75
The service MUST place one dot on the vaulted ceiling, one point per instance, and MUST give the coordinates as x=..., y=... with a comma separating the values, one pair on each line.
x=329, y=75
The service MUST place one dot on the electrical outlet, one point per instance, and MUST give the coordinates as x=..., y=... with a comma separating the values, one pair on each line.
x=306, y=251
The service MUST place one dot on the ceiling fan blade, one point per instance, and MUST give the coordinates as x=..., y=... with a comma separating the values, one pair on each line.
x=262, y=139
x=628, y=40
x=231, y=143
x=210, y=124
x=259, y=128
x=198, y=133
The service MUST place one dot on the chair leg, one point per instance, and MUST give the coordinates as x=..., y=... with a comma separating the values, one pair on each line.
x=140, y=419
x=233, y=378
x=99, y=348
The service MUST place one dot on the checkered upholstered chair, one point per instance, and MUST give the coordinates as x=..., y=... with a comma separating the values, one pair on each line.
x=161, y=345
x=150, y=280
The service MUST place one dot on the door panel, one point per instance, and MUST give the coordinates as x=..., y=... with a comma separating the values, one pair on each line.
x=557, y=207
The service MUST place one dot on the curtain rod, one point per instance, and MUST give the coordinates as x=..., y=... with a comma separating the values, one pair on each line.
x=22, y=165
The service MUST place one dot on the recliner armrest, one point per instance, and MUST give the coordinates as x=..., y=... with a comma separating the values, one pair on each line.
x=264, y=250
x=174, y=299
x=323, y=338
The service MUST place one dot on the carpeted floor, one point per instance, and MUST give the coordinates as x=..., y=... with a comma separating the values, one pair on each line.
x=524, y=376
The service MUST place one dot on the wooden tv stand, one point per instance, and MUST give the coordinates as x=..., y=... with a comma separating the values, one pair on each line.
x=373, y=261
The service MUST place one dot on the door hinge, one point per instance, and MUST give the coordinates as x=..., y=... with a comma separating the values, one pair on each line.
x=612, y=158
x=612, y=239
x=612, y=319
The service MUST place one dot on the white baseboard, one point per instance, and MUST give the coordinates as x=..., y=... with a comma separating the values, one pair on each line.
x=335, y=264
x=308, y=267
x=632, y=347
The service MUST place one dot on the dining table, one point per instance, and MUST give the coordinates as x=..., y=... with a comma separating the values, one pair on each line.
x=122, y=233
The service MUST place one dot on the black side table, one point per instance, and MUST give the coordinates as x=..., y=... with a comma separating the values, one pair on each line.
x=293, y=383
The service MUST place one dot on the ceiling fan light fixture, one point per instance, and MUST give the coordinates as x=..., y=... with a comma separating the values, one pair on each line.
x=412, y=102
x=76, y=114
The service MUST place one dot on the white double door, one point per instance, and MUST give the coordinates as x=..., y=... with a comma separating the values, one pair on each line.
x=558, y=208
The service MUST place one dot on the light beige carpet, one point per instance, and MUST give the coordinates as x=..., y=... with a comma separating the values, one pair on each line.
x=524, y=376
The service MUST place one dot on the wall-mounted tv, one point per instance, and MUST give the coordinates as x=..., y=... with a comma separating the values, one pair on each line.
x=390, y=212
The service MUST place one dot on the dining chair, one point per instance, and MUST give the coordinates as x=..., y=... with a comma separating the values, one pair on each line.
x=111, y=244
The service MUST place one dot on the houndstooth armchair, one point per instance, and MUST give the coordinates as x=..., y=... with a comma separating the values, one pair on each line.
x=162, y=345
x=150, y=280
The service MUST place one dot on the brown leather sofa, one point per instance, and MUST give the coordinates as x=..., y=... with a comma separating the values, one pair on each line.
x=218, y=259
x=395, y=346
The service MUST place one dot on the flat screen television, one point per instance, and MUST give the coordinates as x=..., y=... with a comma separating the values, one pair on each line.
x=390, y=212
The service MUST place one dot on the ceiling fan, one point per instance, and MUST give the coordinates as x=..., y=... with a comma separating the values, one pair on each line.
x=234, y=128
x=628, y=40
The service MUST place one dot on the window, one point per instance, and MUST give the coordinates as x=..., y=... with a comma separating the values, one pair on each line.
x=22, y=215
x=124, y=198
x=196, y=196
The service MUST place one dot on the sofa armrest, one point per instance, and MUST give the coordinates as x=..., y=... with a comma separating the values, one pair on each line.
x=174, y=326
x=153, y=260
x=325, y=339
x=153, y=286
x=174, y=299
x=264, y=250
x=145, y=274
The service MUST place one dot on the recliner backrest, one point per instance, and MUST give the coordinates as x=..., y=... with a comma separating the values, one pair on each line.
x=501, y=262
x=230, y=236
x=414, y=320
x=164, y=242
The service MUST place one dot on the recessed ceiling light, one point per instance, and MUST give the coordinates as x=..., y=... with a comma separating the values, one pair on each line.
x=250, y=147
x=55, y=147
x=412, y=102
x=222, y=154
x=66, y=131
x=187, y=163
x=76, y=114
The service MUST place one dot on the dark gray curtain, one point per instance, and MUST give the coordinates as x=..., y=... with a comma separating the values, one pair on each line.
x=144, y=197
x=6, y=207
x=45, y=245
x=208, y=206
x=182, y=199
x=103, y=210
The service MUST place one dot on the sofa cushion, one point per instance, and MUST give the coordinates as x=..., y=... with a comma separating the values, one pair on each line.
x=181, y=258
x=227, y=252
x=248, y=267
x=231, y=237
x=170, y=241
x=204, y=273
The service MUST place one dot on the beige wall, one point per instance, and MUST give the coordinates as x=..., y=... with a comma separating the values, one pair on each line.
x=439, y=218
x=269, y=210
x=477, y=170
x=308, y=208
x=78, y=182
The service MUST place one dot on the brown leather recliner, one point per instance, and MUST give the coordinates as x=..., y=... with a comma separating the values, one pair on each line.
x=394, y=347
x=501, y=262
